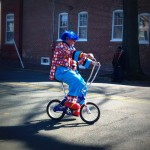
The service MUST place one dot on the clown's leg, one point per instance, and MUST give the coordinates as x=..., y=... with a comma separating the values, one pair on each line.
x=71, y=103
x=73, y=79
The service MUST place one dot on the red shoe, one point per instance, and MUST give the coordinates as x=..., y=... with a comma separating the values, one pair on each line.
x=76, y=113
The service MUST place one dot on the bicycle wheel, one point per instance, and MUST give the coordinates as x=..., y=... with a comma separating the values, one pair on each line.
x=90, y=113
x=52, y=111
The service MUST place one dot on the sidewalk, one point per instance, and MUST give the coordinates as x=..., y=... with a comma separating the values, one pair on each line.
x=14, y=72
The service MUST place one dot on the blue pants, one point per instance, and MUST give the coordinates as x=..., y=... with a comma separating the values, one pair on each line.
x=73, y=79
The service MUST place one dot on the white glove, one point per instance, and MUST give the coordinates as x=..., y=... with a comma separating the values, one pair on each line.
x=90, y=56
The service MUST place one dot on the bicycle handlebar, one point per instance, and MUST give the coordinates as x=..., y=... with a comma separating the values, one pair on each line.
x=90, y=77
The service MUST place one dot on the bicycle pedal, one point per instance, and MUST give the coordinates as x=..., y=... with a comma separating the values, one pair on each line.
x=69, y=112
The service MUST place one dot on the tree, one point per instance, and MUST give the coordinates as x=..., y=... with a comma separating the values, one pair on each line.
x=130, y=39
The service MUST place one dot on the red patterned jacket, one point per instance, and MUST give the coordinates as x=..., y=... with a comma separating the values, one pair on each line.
x=67, y=56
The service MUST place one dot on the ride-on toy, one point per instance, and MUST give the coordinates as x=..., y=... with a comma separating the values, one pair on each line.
x=89, y=112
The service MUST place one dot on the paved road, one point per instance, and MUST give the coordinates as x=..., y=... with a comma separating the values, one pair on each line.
x=24, y=124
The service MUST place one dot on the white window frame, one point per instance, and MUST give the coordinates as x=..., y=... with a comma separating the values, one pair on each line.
x=65, y=27
x=45, y=61
x=144, y=41
x=82, y=26
x=113, y=26
x=9, y=18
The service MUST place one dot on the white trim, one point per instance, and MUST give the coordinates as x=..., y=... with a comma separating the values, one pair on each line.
x=116, y=40
x=82, y=40
x=59, y=40
x=143, y=42
x=45, y=61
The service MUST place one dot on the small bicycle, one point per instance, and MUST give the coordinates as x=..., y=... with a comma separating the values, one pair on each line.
x=89, y=112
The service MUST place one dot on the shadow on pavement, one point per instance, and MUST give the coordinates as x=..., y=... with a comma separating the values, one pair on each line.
x=28, y=135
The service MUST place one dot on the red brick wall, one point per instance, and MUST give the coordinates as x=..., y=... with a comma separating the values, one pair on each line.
x=99, y=25
x=100, y=28
x=37, y=28
x=11, y=6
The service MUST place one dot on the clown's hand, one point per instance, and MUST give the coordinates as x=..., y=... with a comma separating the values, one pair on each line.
x=74, y=65
x=90, y=56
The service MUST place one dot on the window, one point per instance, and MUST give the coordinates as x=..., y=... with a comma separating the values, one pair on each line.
x=45, y=61
x=117, y=25
x=144, y=28
x=9, y=28
x=62, y=24
x=82, y=25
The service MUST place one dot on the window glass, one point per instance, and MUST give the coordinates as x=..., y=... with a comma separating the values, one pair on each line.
x=117, y=26
x=9, y=28
x=144, y=26
x=82, y=25
x=63, y=24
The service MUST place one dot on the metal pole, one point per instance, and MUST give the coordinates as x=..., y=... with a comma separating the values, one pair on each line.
x=18, y=53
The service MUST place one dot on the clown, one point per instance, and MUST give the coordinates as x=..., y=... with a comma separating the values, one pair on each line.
x=64, y=68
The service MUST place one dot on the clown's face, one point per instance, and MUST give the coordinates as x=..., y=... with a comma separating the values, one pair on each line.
x=71, y=42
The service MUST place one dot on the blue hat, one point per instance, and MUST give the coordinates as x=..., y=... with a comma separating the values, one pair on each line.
x=69, y=35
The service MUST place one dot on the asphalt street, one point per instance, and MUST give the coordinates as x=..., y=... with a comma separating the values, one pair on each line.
x=24, y=124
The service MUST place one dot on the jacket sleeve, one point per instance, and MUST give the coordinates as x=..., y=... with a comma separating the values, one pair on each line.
x=81, y=58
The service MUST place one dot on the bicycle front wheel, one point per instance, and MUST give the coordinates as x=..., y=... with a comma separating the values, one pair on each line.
x=52, y=111
x=90, y=113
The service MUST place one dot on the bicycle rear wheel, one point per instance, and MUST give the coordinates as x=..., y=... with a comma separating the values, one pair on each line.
x=90, y=113
x=52, y=110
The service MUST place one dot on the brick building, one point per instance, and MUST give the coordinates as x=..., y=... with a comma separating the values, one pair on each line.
x=0, y=24
x=35, y=24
